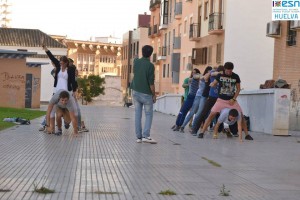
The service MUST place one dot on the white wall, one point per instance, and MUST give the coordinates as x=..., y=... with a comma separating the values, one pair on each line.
x=246, y=44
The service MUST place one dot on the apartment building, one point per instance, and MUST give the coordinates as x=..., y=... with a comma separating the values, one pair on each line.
x=185, y=34
x=133, y=41
x=91, y=57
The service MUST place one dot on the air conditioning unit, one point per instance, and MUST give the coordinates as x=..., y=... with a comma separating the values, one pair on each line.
x=273, y=29
x=295, y=24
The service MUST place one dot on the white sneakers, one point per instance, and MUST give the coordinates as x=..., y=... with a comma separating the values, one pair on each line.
x=146, y=140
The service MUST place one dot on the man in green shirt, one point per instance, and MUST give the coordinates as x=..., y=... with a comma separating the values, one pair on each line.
x=143, y=94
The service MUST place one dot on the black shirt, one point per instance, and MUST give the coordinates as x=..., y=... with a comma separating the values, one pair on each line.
x=227, y=85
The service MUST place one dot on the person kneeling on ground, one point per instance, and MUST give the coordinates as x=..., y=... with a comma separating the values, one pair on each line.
x=66, y=108
x=233, y=118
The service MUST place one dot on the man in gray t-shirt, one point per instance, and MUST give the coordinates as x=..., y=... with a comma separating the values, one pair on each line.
x=65, y=107
x=231, y=117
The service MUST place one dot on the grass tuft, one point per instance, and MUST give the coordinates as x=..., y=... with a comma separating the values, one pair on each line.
x=224, y=192
x=212, y=162
x=189, y=194
x=43, y=190
x=167, y=192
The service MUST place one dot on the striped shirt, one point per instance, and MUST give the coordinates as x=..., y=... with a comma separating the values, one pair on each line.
x=194, y=85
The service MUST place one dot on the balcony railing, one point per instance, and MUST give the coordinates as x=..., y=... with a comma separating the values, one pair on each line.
x=215, y=23
x=194, y=31
x=162, y=53
x=153, y=4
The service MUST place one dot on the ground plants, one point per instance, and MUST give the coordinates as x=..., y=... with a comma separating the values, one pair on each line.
x=103, y=192
x=16, y=112
x=224, y=192
x=212, y=162
x=42, y=190
x=167, y=192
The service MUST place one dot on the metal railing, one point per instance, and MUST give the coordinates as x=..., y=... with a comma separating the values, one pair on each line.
x=215, y=21
x=194, y=30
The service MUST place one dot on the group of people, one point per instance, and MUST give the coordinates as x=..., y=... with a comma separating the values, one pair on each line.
x=211, y=96
x=63, y=104
x=215, y=99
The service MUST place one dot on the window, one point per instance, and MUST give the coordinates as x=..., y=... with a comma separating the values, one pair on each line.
x=199, y=56
x=183, y=63
x=164, y=70
x=291, y=35
x=168, y=71
x=219, y=53
x=205, y=10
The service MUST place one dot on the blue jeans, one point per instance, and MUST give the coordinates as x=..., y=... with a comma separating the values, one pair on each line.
x=193, y=110
x=188, y=103
x=200, y=107
x=140, y=100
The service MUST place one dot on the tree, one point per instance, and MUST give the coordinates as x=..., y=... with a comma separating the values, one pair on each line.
x=90, y=87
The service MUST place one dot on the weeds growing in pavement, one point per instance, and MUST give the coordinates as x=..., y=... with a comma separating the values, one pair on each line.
x=167, y=192
x=224, y=192
x=212, y=162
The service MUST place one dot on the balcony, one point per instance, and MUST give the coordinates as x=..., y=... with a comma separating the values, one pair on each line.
x=215, y=24
x=154, y=4
x=178, y=10
x=153, y=31
x=162, y=53
x=195, y=31
x=273, y=29
x=177, y=43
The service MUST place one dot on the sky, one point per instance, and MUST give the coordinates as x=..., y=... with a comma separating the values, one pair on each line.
x=78, y=19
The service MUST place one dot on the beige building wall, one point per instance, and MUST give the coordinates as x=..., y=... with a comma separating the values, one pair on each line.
x=13, y=81
x=194, y=28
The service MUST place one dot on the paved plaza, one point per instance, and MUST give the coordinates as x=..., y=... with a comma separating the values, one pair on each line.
x=107, y=163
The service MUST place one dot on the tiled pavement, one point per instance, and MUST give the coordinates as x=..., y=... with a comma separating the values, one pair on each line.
x=107, y=159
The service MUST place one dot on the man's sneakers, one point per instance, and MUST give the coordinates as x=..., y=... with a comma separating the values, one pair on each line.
x=248, y=137
x=42, y=128
x=58, y=132
x=201, y=135
x=146, y=140
x=227, y=132
x=139, y=140
x=67, y=126
x=181, y=129
x=177, y=128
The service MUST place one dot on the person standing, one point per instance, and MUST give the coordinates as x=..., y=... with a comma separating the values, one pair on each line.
x=143, y=94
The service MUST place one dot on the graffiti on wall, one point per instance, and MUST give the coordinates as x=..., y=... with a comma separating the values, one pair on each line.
x=12, y=81
x=35, y=84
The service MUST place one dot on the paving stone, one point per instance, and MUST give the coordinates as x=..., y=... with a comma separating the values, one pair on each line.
x=107, y=159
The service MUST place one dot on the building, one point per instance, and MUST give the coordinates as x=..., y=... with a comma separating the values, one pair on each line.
x=185, y=35
x=20, y=81
x=246, y=44
x=110, y=39
x=133, y=41
x=30, y=40
x=92, y=57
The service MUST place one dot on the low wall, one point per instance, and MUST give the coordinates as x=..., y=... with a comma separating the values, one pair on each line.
x=168, y=104
x=268, y=109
